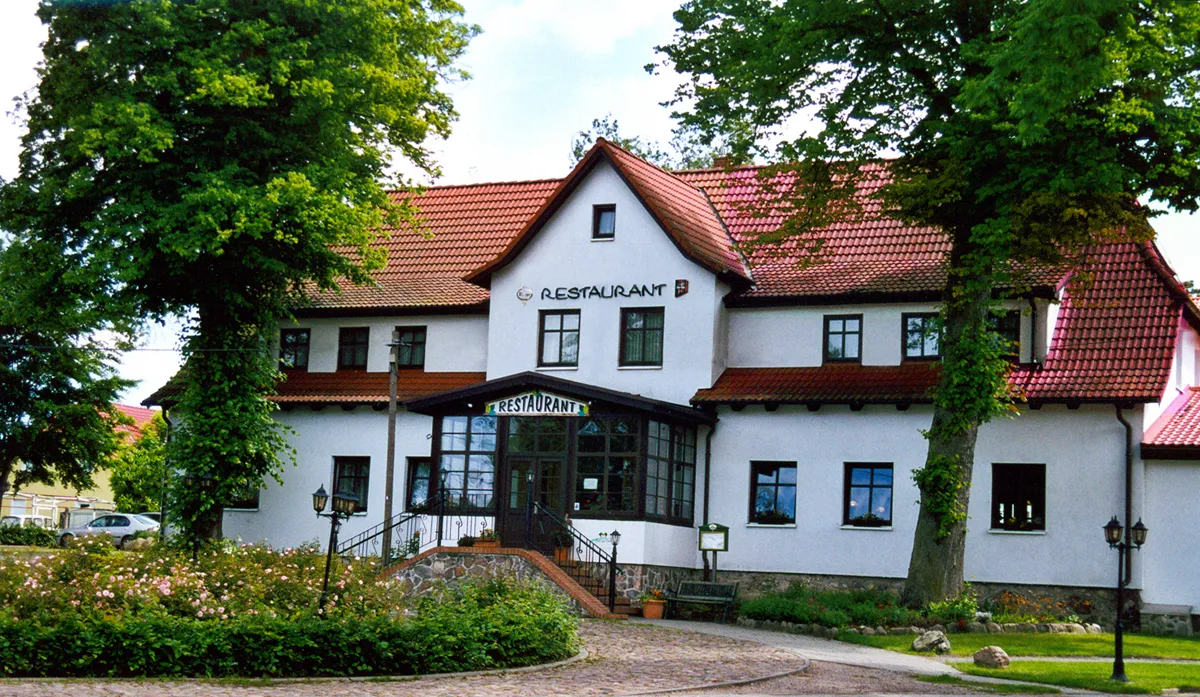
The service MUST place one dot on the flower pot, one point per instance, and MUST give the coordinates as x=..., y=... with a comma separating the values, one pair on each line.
x=653, y=609
x=562, y=555
x=487, y=543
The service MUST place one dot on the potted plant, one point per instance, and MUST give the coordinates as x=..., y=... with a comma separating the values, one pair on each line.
x=487, y=538
x=563, y=542
x=654, y=601
x=466, y=541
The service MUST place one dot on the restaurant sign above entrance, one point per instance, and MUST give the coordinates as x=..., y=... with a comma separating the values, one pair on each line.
x=536, y=404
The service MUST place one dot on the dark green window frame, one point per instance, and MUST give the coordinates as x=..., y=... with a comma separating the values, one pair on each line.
x=868, y=488
x=353, y=347
x=840, y=331
x=293, y=348
x=772, y=492
x=410, y=353
x=642, y=331
x=916, y=330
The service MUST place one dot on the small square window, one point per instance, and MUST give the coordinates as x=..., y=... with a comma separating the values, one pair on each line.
x=293, y=349
x=558, y=338
x=352, y=348
x=843, y=338
x=1018, y=497
x=868, y=495
x=773, y=493
x=411, y=350
x=922, y=335
x=351, y=475
x=1007, y=324
x=641, y=336
x=604, y=222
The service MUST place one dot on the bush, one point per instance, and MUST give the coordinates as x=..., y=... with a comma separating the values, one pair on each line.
x=250, y=611
x=955, y=610
x=831, y=608
x=27, y=535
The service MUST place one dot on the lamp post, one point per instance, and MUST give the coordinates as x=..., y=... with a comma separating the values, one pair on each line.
x=615, y=538
x=343, y=506
x=1137, y=537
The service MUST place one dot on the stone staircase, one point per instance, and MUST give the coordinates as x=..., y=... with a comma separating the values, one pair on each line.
x=452, y=564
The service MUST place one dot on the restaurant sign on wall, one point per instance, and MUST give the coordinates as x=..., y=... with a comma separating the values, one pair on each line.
x=536, y=404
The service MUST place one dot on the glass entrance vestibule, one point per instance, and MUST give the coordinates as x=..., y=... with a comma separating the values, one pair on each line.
x=619, y=466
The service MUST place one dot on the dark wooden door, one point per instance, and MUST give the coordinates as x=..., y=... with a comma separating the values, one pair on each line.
x=540, y=477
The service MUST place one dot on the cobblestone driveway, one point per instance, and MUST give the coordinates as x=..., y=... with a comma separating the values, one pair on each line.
x=624, y=658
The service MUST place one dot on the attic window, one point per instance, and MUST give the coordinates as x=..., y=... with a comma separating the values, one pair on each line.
x=604, y=222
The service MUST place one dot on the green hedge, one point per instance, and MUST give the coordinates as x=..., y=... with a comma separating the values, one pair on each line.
x=28, y=535
x=493, y=625
x=832, y=608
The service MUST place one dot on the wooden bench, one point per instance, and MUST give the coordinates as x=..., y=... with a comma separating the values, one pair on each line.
x=704, y=593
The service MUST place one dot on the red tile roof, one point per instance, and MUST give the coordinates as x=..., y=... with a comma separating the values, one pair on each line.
x=462, y=228
x=356, y=387
x=681, y=209
x=1113, y=341
x=834, y=383
x=1176, y=433
x=140, y=415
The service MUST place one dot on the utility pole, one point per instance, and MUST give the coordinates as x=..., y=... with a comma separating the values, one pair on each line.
x=391, y=448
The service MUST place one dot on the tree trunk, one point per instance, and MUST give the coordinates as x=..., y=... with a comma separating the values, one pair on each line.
x=6, y=469
x=935, y=569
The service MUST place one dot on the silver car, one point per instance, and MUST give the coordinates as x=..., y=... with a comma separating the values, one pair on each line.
x=120, y=526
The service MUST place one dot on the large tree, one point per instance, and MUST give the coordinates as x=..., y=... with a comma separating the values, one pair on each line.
x=686, y=150
x=57, y=380
x=1026, y=129
x=138, y=472
x=217, y=157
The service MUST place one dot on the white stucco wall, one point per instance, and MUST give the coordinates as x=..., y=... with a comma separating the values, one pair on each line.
x=453, y=343
x=1171, y=556
x=793, y=336
x=285, y=517
x=564, y=255
x=1084, y=465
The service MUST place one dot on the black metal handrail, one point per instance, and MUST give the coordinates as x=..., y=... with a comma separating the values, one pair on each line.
x=417, y=530
x=587, y=563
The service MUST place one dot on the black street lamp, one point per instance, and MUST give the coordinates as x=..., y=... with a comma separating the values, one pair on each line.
x=1137, y=537
x=344, y=505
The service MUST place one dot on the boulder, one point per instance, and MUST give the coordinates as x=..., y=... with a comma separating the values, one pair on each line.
x=932, y=641
x=853, y=630
x=1027, y=627
x=1093, y=628
x=976, y=628
x=991, y=657
x=868, y=631
x=1076, y=628
x=994, y=628
x=880, y=631
x=938, y=628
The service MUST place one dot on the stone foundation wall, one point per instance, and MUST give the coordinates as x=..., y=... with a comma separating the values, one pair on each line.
x=448, y=569
x=635, y=579
x=972, y=628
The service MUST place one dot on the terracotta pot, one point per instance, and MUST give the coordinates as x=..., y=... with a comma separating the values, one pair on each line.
x=653, y=609
x=562, y=555
x=487, y=543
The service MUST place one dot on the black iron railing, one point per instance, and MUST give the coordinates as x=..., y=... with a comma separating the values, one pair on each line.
x=440, y=521
x=588, y=563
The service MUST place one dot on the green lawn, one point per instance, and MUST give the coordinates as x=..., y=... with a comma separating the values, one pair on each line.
x=1145, y=677
x=1136, y=646
x=994, y=688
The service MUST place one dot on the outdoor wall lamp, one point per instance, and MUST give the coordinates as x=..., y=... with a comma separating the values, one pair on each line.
x=1113, y=532
x=344, y=504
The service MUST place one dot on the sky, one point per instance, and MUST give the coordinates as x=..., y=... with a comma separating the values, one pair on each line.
x=541, y=71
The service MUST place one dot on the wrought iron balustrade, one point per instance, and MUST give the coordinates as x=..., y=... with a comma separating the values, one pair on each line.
x=588, y=563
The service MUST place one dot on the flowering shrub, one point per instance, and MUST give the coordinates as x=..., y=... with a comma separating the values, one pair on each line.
x=1015, y=607
x=251, y=611
x=29, y=535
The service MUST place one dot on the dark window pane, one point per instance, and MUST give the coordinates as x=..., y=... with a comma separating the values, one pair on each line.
x=1019, y=497
x=293, y=348
x=352, y=348
x=773, y=492
x=642, y=336
x=868, y=495
x=411, y=349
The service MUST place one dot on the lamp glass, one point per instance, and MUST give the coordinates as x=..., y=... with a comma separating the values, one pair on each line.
x=615, y=537
x=345, y=503
x=1138, y=532
x=320, y=498
x=1112, y=532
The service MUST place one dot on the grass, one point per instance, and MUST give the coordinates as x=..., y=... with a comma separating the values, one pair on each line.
x=1049, y=645
x=1146, y=678
x=994, y=688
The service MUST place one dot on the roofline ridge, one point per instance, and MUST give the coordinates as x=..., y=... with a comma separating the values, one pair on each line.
x=544, y=180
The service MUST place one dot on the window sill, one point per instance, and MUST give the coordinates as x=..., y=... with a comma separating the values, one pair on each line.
x=639, y=367
x=604, y=239
x=552, y=368
x=771, y=525
x=241, y=510
x=882, y=528
x=1001, y=531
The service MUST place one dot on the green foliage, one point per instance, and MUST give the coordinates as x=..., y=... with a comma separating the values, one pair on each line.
x=249, y=611
x=28, y=535
x=1028, y=130
x=139, y=471
x=1020, y=644
x=960, y=609
x=831, y=608
x=219, y=157
x=1093, y=676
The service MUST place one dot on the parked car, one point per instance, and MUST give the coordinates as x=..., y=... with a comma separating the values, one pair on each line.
x=152, y=515
x=40, y=521
x=121, y=527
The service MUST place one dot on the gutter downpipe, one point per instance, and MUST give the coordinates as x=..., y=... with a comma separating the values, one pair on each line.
x=1128, y=484
x=162, y=494
x=707, y=488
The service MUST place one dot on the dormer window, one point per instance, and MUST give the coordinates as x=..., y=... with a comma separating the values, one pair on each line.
x=843, y=338
x=921, y=335
x=1008, y=325
x=604, y=222
x=352, y=348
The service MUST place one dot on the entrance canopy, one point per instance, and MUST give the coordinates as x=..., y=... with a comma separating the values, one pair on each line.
x=538, y=394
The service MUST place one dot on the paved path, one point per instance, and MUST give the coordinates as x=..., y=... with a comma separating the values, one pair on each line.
x=817, y=649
